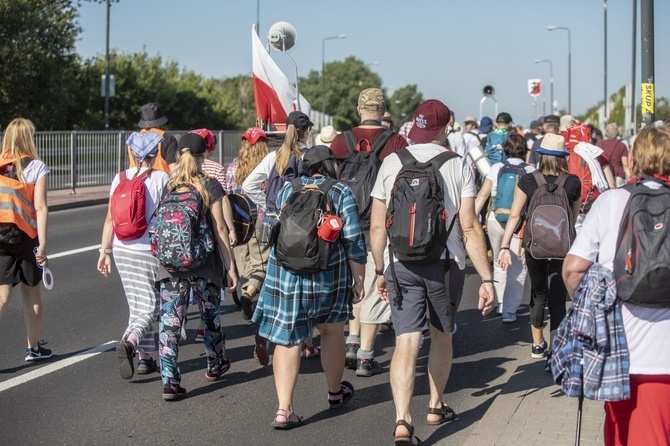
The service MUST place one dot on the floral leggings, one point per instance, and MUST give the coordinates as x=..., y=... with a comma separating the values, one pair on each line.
x=174, y=296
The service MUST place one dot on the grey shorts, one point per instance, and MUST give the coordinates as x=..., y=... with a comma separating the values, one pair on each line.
x=432, y=294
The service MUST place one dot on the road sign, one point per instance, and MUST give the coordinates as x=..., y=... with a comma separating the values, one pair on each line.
x=535, y=87
x=112, y=86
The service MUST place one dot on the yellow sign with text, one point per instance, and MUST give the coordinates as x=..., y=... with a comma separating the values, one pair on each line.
x=647, y=98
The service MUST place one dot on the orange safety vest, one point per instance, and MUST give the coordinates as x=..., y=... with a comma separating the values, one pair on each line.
x=159, y=162
x=17, y=202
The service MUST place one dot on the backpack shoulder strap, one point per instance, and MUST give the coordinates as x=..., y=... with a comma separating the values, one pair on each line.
x=405, y=156
x=561, y=180
x=442, y=158
x=539, y=178
x=381, y=140
x=122, y=176
x=297, y=184
x=350, y=139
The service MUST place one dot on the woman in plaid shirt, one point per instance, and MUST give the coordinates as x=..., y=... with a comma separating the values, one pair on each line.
x=291, y=305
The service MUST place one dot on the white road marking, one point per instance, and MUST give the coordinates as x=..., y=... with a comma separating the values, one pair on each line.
x=55, y=366
x=72, y=251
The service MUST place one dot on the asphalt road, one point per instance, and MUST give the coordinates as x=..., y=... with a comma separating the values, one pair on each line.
x=79, y=399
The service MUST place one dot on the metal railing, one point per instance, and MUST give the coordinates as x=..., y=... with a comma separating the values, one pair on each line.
x=82, y=159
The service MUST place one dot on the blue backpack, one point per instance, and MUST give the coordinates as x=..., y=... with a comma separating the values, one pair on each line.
x=493, y=140
x=276, y=182
x=508, y=178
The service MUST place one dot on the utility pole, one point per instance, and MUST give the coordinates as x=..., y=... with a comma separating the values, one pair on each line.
x=109, y=6
x=647, y=61
x=607, y=108
x=633, y=114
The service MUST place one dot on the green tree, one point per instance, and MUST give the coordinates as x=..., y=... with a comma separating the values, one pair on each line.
x=39, y=65
x=188, y=100
x=344, y=81
x=402, y=103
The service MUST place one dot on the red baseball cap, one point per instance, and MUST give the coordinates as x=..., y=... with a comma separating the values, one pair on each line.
x=253, y=134
x=429, y=117
x=208, y=136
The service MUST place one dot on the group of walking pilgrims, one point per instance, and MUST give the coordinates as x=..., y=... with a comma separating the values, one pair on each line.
x=368, y=230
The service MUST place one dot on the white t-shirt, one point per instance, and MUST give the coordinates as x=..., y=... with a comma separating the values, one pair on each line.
x=647, y=329
x=457, y=143
x=459, y=183
x=155, y=184
x=35, y=170
x=495, y=170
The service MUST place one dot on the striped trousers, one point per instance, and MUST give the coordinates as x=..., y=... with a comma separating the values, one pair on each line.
x=138, y=275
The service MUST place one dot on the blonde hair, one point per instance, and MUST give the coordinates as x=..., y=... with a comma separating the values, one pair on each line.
x=19, y=142
x=290, y=147
x=651, y=152
x=250, y=156
x=189, y=171
x=553, y=165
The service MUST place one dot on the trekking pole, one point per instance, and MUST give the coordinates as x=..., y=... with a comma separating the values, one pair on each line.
x=580, y=402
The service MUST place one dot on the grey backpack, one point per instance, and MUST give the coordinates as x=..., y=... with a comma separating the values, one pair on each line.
x=549, y=229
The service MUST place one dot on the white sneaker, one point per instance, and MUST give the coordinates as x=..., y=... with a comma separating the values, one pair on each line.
x=508, y=318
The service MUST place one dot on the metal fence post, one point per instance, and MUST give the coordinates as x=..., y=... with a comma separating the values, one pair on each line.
x=220, y=148
x=73, y=162
x=120, y=152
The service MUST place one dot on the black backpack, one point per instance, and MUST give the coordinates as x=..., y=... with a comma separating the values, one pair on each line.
x=642, y=259
x=359, y=170
x=416, y=218
x=298, y=248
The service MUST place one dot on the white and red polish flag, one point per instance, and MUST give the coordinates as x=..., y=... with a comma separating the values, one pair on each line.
x=275, y=95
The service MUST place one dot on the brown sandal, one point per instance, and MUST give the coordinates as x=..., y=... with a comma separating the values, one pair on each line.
x=446, y=413
x=405, y=441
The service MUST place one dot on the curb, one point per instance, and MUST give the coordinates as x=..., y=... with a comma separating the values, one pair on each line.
x=78, y=204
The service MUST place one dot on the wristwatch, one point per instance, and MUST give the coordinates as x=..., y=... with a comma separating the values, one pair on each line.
x=379, y=272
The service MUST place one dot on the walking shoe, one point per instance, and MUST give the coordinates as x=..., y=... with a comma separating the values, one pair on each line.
x=146, y=366
x=247, y=306
x=539, y=350
x=508, y=318
x=261, y=353
x=351, y=362
x=39, y=353
x=336, y=400
x=368, y=367
x=200, y=336
x=216, y=374
x=173, y=392
x=309, y=351
x=124, y=353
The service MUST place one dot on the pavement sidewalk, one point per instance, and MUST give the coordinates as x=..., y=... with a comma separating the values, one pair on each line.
x=531, y=410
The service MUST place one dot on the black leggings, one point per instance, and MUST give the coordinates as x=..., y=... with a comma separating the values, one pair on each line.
x=547, y=281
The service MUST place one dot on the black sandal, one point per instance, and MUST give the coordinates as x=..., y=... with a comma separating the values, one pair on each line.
x=446, y=413
x=405, y=441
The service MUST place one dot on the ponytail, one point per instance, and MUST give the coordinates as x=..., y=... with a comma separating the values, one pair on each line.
x=290, y=147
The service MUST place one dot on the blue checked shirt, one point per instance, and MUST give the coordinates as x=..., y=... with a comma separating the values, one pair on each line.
x=590, y=348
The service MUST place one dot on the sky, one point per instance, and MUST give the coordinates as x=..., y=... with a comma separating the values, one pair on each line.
x=450, y=49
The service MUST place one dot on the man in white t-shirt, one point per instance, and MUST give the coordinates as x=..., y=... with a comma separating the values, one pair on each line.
x=430, y=301
x=645, y=418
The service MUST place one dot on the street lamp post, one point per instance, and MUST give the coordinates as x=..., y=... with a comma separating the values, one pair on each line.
x=552, y=28
x=323, y=73
x=551, y=81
